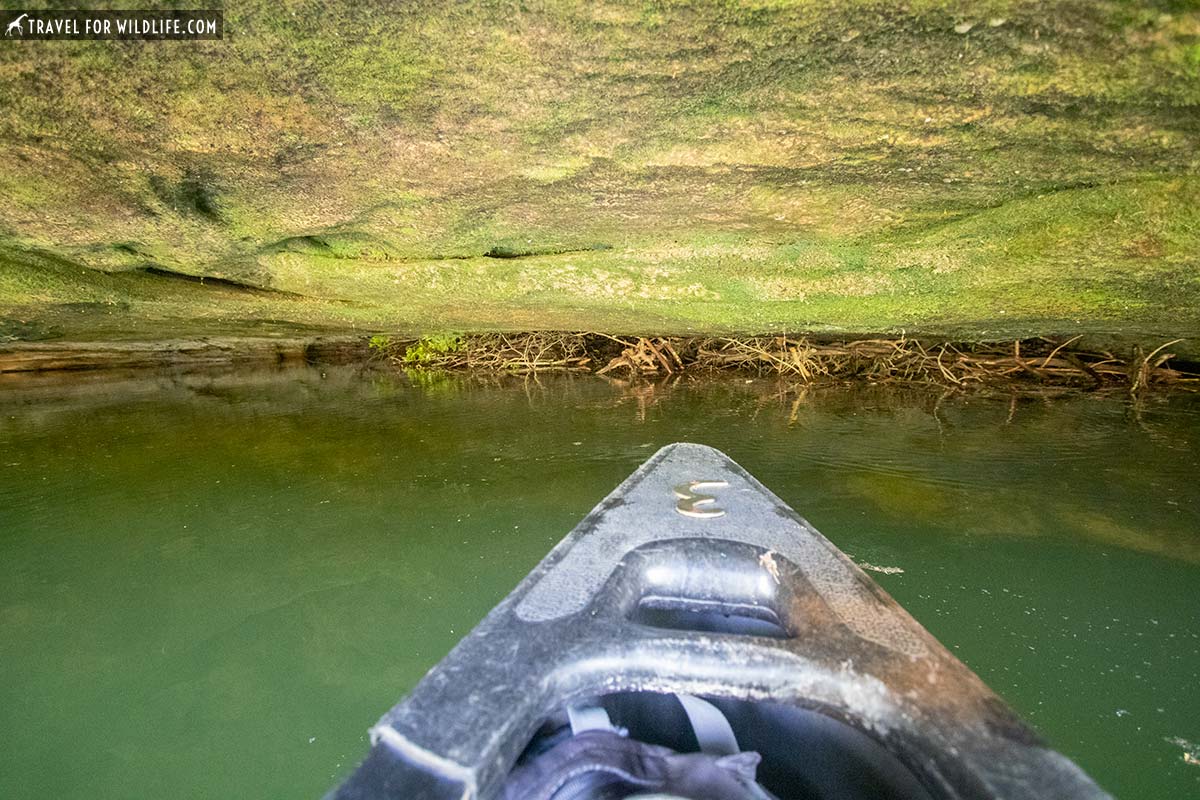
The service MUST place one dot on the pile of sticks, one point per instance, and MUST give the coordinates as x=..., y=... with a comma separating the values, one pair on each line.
x=646, y=356
x=900, y=360
x=910, y=360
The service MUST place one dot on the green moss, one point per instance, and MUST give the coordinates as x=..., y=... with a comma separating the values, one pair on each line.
x=772, y=165
x=376, y=79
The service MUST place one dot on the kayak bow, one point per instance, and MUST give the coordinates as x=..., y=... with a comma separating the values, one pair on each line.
x=693, y=580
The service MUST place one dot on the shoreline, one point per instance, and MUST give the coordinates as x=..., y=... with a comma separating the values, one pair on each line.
x=1031, y=363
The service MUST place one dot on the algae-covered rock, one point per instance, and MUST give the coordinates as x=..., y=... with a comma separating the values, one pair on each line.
x=850, y=166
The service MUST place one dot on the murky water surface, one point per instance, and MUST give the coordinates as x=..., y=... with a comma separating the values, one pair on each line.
x=211, y=585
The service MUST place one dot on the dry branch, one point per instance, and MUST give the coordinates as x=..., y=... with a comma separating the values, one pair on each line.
x=901, y=360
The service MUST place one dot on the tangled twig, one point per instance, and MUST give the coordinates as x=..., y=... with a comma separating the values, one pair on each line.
x=1048, y=363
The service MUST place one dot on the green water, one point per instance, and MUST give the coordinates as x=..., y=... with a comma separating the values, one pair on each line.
x=210, y=586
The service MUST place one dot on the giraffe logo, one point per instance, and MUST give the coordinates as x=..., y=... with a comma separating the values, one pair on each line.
x=16, y=25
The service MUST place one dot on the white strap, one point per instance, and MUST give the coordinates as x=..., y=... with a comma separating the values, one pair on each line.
x=712, y=730
x=588, y=718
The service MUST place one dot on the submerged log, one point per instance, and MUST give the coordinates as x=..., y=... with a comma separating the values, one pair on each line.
x=49, y=356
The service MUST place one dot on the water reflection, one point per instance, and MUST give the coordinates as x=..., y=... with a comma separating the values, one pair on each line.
x=204, y=571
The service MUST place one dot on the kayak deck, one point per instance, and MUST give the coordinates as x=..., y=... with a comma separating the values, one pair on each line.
x=691, y=578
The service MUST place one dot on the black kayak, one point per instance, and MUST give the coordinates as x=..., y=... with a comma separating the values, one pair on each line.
x=693, y=637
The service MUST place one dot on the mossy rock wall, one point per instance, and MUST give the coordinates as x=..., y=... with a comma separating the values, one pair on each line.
x=986, y=169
